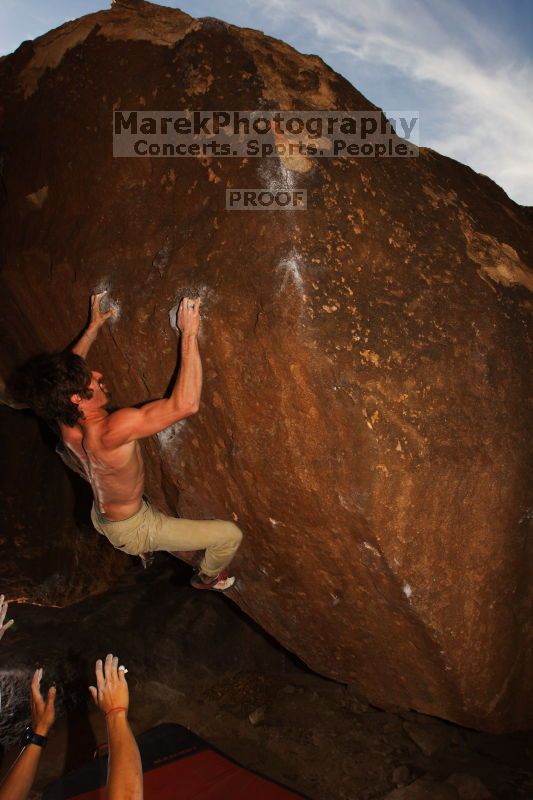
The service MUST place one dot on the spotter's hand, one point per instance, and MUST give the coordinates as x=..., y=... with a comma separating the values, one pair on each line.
x=43, y=711
x=188, y=317
x=111, y=690
x=3, y=612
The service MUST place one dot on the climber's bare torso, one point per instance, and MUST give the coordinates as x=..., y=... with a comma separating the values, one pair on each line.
x=106, y=445
x=116, y=475
x=114, y=468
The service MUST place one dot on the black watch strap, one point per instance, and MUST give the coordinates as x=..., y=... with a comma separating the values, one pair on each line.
x=30, y=737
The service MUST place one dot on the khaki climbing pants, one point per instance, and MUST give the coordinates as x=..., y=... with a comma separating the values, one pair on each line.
x=150, y=529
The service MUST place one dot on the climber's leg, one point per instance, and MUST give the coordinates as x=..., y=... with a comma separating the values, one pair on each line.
x=219, y=538
x=149, y=530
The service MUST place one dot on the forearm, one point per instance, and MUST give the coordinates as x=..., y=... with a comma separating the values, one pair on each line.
x=18, y=781
x=125, y=776
x=83, y=345
x=188, y=387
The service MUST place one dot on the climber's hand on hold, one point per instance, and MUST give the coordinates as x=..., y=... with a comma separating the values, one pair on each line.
x=111, y=690
x=99, y=317
x=188, y=318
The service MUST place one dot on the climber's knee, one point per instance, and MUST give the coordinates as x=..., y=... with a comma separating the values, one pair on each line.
x=233, y=534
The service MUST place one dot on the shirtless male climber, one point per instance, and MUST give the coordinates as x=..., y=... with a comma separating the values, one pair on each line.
x=61, y=388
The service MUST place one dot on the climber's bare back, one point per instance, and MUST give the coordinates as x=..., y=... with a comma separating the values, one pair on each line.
x=116, y=474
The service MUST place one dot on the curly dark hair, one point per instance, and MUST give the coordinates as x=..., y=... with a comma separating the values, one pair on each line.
x=46, y=382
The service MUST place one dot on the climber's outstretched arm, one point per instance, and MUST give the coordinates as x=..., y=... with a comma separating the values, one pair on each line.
x=98, y=318
x=130, y=424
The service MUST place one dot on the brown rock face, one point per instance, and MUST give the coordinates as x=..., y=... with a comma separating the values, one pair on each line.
x=364, y=412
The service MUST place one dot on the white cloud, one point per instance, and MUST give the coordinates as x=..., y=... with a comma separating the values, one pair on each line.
x=478, y=98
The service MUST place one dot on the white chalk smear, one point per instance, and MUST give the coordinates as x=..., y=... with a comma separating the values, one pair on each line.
x=173, y=315
x=167, y=437
x=291, y=270
x=407, y=590
x=372, y=549
x=117, y=308
x=277, y=178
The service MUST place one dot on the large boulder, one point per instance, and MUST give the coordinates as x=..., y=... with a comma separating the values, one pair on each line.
x=364, y=413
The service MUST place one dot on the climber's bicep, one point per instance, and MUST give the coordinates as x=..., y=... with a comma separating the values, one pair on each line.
x=130, y=424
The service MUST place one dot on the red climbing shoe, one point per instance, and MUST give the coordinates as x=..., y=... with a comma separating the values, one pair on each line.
x=220, y=583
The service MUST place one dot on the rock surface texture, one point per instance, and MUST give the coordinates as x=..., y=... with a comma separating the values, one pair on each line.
x=364, y=412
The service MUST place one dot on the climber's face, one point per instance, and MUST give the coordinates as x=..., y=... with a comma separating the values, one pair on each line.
x=101, y=393
x=98, y=400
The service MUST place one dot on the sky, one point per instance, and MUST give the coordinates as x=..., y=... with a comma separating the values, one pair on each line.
x=465, y=65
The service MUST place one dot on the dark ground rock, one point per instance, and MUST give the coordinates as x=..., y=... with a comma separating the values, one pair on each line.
x=49, y=553
x=367, y=362
x=193, y=659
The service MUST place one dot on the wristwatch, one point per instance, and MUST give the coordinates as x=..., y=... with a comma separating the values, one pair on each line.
x=30, y=737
